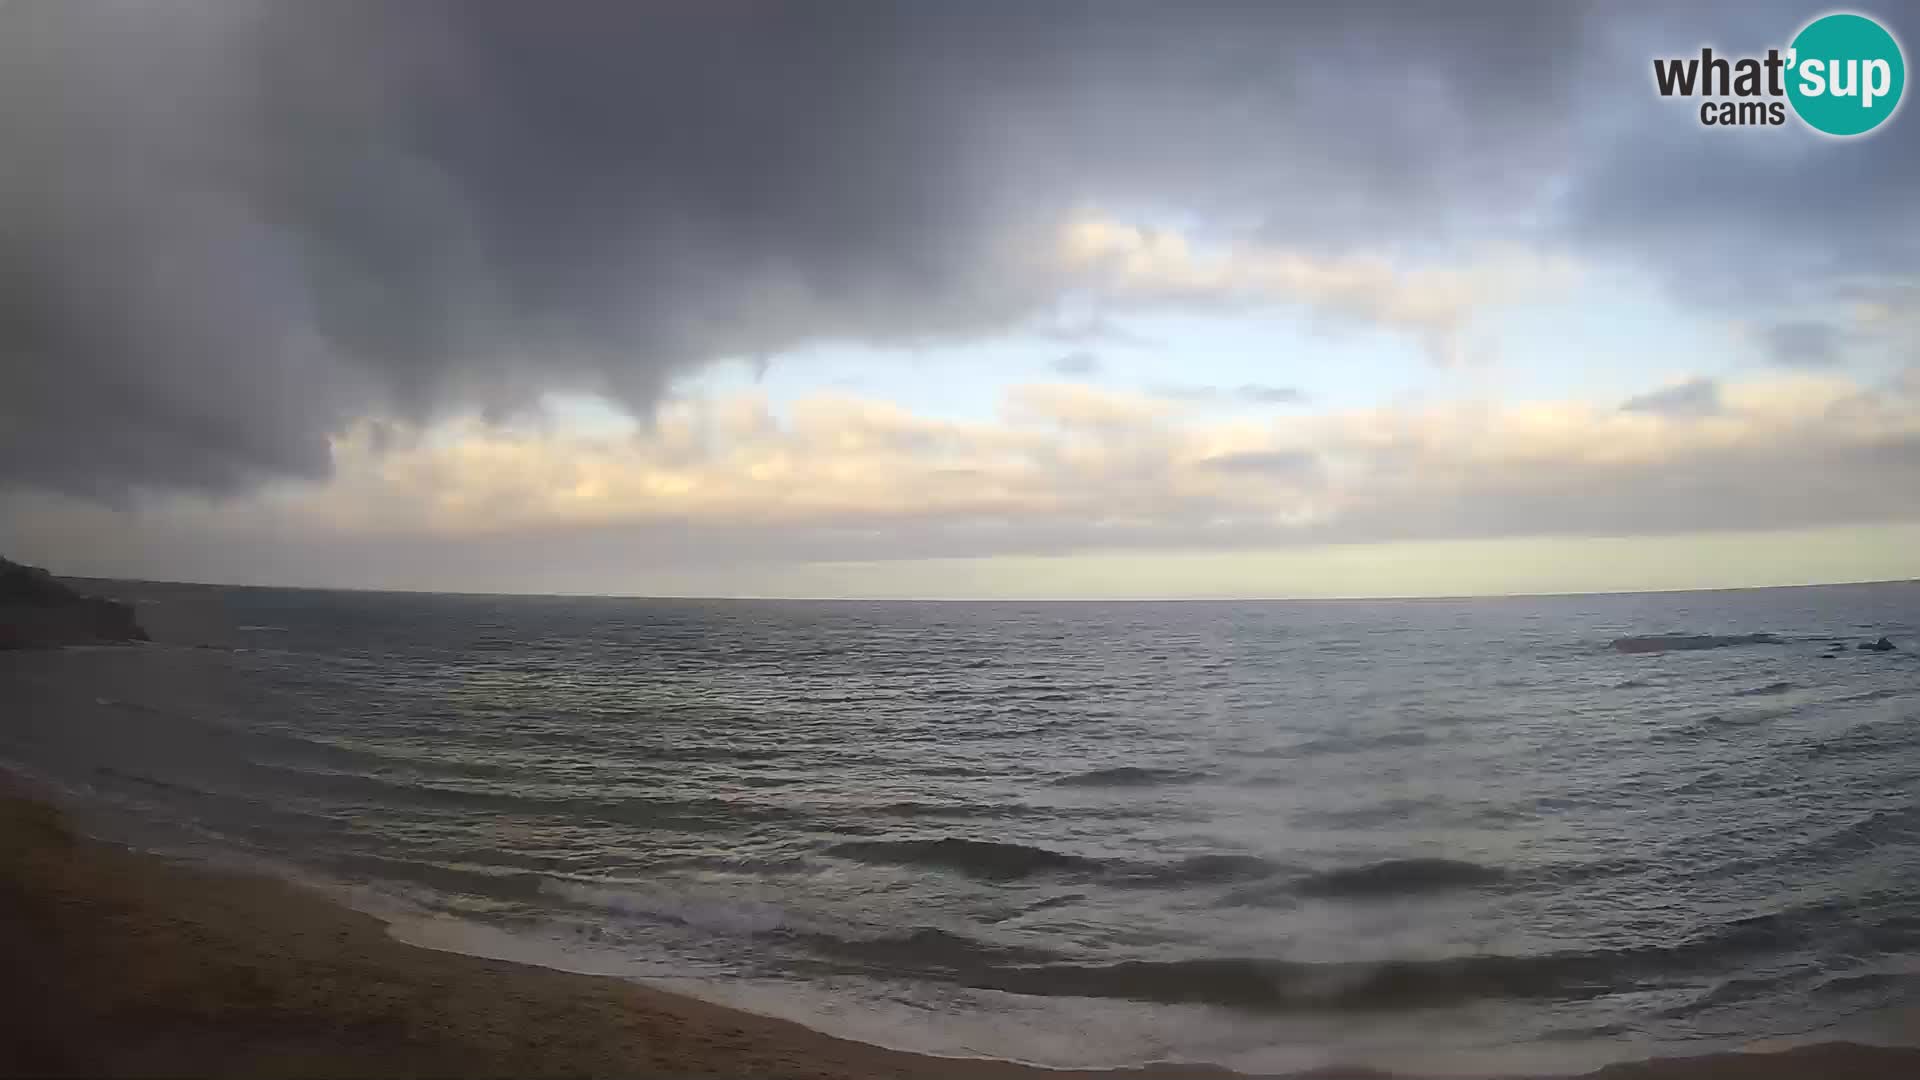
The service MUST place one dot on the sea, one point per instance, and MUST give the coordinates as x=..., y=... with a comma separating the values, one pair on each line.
x=1446, y=835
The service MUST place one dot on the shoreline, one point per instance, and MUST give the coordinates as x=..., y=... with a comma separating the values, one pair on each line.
x=134, y=964
x=128, y=963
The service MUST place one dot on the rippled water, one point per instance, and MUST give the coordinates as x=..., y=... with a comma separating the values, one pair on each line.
x=1264, y=834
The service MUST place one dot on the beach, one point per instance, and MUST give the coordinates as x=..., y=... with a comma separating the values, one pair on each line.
x=125, y=964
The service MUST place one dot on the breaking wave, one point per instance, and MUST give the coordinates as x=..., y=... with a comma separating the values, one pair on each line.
x=1281, y=986
x=990, y=860
x=1768, y=690
x=1399, y=877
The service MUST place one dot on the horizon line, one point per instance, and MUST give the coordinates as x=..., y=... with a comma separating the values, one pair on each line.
x=1354, y=598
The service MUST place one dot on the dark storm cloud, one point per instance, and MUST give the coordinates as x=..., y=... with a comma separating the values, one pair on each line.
x=1695, y=397
x=229, y=229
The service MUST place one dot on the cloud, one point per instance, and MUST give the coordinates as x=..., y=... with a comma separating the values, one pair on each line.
x=1803, y=344
x=1694, y=397
x=1078, y=362
x=1292, y=463
x=1885, y=319
x=1727, y=221
x=351, y=244
x=235, y=228
x=1434, y=306
x=1066, y=468
x=1246, y=393
x=1094, y=329
x=1262, y=394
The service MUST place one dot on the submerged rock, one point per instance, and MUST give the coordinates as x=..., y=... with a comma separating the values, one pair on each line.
x=38, y=612
x=1681, y=642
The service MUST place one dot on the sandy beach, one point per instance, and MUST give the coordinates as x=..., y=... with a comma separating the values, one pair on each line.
x=125, y=964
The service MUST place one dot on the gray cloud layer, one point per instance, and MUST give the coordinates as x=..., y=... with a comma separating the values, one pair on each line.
x=1695, y=397
x=1803, y=344
x=228, y=229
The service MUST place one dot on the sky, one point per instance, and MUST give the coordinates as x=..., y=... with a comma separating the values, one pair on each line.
x=916, y=299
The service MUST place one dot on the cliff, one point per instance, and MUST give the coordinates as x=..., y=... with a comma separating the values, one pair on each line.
x=38, y=612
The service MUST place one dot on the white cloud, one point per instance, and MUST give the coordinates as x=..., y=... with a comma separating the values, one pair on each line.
x=1069, y=465
x=1065, y=468
x=1436, y=306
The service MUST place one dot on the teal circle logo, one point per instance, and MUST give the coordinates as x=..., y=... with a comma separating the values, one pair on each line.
x=1845, y=74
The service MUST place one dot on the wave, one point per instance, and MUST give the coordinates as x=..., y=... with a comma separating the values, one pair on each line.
x=929, y=949
x=1716, y=725
x=716, y=914
x=1006, y=914
x=1684, y=642
x=690, y=814
x=1127, y=776
x=990, y=860
x=144, y=779
x=1195, y=870
x=1387, y=812
x=1282, y=986
x=1876, y=829
x=1885, y=694
x=1348, y=742
x=910, y=808
x=721, y=754
x=1744, y=719
x=1399, y=877
x=1768, y=690
x=497, y=883
x=1874, y=738
x=986, y=859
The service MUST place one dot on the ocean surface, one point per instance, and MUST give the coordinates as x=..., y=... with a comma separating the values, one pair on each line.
x=1451, y=834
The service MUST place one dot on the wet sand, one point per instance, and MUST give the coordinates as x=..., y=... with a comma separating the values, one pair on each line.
x=116, y=963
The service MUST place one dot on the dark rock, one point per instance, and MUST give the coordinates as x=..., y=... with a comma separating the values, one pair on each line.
x=30, y=586
x=1883, y=645
x=1683, y=642
x=38, y=612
